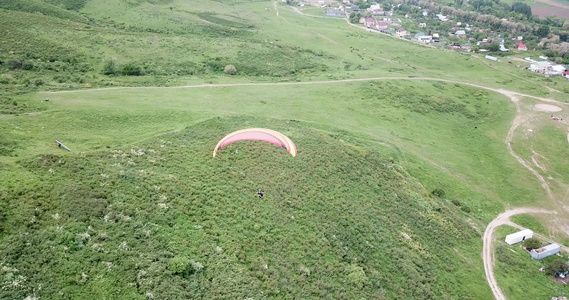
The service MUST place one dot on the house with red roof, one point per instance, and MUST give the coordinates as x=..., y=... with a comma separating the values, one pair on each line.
x=381, y=25
x=370, y=22
x=522, y=47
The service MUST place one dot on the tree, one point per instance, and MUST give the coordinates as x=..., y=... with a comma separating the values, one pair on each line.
x=230, y=69
x=110, y=67
x=355, y=18
x=558, y=265
x=542, y=31
x=494, y=47
x=532, y=243
x=522, y=8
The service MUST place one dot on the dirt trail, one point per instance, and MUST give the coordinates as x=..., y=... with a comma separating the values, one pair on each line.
x=518, y=120
x=488, y=238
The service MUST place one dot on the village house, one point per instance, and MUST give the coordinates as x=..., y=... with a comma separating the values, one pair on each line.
x=381, y=26
x=436, y=37
x=362, y=20
x=424, y=38
x=375, y=9
x=425, y=13
x=401, y=32
x=540, y=67
x=378, y=12
x=369, y=22
x=522, y=47
x=483, y=42
x=422, y=25
x=442, y=18
x=557, y=70
x=335, y=12
x=388, y=30
x=408, y=16
x=460, y=33
x=374, y=6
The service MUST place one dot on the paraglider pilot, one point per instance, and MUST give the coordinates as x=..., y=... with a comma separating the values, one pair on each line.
x=260, y=193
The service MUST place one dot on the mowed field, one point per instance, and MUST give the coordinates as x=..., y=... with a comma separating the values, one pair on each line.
x=546, y=11
x=394, y=180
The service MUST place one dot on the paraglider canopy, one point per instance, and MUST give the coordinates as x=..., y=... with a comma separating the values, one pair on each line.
x=258, y=134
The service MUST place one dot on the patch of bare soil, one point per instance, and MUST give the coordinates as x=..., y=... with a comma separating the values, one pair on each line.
x=563, y=281
x=546, y=11
x=534, y=157
x=547, y=108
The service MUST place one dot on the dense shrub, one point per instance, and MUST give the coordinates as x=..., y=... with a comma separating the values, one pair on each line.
x=438, y=192
x=230, y=69
x=532, y=243
x=131, y=69
x=110, y=67
x=557, y=265
x=15, y=64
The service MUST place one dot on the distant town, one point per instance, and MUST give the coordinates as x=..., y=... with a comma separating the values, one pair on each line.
x=513, y=30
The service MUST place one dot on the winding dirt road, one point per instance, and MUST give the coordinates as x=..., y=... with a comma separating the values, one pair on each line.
x=488, y=239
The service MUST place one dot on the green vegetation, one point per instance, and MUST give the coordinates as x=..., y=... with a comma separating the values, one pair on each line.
x=513, y=266
x=557, y=265
x=386, y=199
x=532, y=243
x=146, y=219
x=530, y=222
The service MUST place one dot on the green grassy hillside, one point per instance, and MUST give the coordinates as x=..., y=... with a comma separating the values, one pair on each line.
x=163, y=217
x=393, y=183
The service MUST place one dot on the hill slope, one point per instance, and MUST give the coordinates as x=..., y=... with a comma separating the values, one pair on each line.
x=166, y=218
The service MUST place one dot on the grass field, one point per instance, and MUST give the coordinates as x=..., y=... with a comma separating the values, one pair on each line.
x=387, y=198
x=514, y=265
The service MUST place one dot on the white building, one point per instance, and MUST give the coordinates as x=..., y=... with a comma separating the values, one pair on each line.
x=519, y=236
x=558, y=68
x=491, y=58
x=545, y=251
x=425, y=38
x=540, y=67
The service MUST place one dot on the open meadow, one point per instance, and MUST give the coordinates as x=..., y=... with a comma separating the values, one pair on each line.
x=405, y=153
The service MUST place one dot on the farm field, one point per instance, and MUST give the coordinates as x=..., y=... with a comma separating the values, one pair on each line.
x=405, y=153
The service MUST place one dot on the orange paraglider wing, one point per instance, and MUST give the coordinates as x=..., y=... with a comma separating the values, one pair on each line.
x=257, y=134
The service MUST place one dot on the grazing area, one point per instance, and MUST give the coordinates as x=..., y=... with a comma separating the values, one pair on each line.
x=163, y=217
x=404, y=154
x=514, y=265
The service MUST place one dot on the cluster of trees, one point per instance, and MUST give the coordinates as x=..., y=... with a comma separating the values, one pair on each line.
x=522, y=8
x=129, y=69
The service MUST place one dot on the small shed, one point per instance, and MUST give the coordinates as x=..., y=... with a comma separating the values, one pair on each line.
x=519, y=236
x=545, y=251
x=491, y=58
